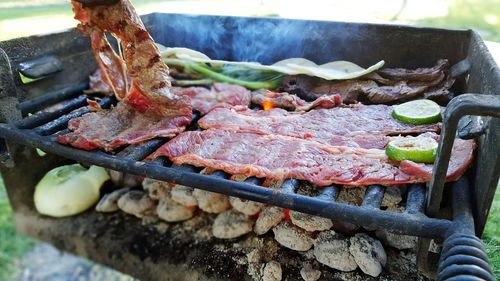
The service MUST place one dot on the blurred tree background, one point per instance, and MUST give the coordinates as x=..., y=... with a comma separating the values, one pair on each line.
x=480, y=15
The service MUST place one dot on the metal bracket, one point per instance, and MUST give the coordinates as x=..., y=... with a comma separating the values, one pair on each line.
x=460, y=68
x=466, y=104
x=40, y=67
x=470, y=127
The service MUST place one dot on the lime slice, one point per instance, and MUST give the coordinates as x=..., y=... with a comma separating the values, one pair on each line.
x=416, y=149
x=417, y=112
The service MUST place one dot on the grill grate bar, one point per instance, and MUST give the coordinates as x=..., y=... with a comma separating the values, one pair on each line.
x=219, y=174
x=160, y=161
x=185, y=168
x=415, y=202
x=254, y=181
x=329, y=192
x=402, y=223
x=373, y=196
x=41, y=102
x=142, y=150
x=44, y=117
x=289, y=186
x=61, y=122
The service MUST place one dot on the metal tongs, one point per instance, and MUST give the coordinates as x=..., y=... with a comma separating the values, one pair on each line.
x=90, y=3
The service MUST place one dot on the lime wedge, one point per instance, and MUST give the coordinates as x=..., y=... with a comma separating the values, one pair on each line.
x=416, y=149
x=417, y=112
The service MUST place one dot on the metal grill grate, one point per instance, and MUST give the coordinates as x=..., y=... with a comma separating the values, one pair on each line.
x=41, y=129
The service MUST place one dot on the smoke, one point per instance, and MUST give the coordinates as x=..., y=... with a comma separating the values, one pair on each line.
x=268, y=40
x=265, y=40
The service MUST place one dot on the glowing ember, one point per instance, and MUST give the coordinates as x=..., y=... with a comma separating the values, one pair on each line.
x=267, y=104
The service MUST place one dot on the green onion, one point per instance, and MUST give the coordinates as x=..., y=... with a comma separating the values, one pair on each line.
x=271, y=80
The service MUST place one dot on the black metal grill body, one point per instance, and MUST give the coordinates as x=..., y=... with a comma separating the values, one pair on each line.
x=268, y=40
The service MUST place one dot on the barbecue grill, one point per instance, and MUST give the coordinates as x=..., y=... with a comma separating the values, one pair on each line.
x=60, y=63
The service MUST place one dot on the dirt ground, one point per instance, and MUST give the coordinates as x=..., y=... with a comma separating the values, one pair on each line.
x=44, y=262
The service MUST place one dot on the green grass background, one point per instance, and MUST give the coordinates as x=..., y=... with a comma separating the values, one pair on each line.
x=12, y=245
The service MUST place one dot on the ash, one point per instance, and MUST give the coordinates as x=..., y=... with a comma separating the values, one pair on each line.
x=228, y=239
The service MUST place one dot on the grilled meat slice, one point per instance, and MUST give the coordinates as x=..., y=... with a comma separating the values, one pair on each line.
x=269, y=99
x=420, y=74
x=110, y=129
x=359, y=125
x=147, y=107
x=280, y=157
x=150, y=88
x=385, y=86
x=220, y=95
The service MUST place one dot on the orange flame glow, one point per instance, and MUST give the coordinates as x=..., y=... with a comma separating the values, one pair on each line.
x=267, y=104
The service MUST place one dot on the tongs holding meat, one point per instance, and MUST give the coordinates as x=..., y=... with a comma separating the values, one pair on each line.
x=149, y=90
x=147, y=107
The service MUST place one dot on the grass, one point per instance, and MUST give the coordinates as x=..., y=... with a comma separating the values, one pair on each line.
x=49, y=9
x=480, y=15
x=12, y=245
x=491, y=235
x=44, y=10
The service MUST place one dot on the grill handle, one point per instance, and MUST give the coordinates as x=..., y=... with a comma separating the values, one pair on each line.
x=463, y=256
x=40, y=67
x=460, y=106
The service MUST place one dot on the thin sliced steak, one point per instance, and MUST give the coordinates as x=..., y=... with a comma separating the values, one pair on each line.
x=110, y=129
x=140, y=81
x=269, y=99
x=97, y=84
x=427, y=74
x=364, y=126
x=385, y=86
x=220, y=95
x=280, y=157
x=149, y=89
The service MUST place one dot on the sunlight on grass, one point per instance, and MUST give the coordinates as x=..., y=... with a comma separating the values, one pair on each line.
x=12, y=245
x=480, y=15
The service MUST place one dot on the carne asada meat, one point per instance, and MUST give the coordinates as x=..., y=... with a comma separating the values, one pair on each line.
x=147, y=107
x=97, y=84
x=284, y=100
x=419, y=74
x=358, y=125
x=385, y=86
x=202, y=99
x=150, y=88
x=220, y=95
x=110, y=129
x=281, y=157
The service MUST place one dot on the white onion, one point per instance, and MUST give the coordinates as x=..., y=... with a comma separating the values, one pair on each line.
x=69, y=190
